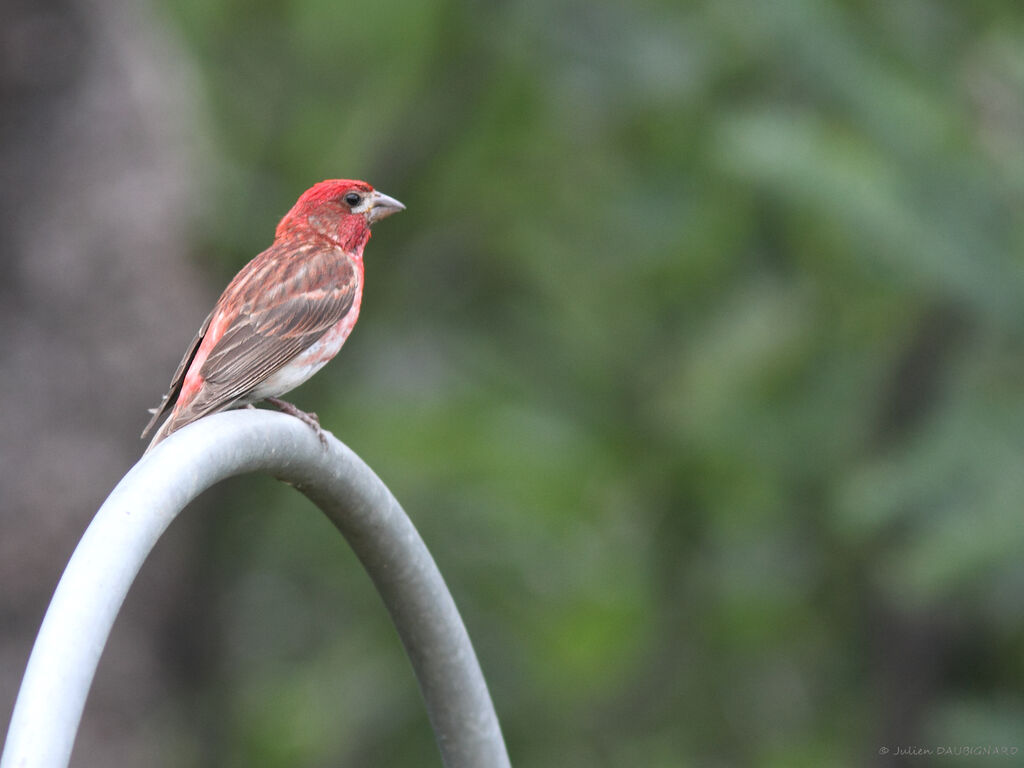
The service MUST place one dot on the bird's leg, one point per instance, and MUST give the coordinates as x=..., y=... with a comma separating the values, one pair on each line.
x=310, y=419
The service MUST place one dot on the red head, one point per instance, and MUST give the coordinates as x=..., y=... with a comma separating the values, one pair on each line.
x=341, y=210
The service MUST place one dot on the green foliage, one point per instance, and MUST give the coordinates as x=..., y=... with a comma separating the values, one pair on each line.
x=696, y=359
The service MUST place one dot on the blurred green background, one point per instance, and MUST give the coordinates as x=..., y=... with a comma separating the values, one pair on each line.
x=697, y=359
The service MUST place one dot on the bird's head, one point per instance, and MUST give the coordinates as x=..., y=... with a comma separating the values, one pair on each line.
x=341, y=210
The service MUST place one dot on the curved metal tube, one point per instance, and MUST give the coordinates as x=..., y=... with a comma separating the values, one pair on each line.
x=127, y=526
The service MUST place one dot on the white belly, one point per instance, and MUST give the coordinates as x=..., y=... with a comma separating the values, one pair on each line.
x=309, y=361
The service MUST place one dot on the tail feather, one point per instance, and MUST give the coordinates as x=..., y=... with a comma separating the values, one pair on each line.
x=165, y=429
x=158, y=413
x=184, y=414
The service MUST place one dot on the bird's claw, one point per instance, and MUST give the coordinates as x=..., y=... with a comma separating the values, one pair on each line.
x=314, y=422
x=309, y=419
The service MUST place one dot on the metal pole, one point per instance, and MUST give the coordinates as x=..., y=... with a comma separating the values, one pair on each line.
x=127, y=526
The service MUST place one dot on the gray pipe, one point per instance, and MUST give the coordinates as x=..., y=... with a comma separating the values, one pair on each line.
x=127, y=526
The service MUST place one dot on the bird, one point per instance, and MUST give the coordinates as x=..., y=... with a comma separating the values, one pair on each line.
x=284, y=315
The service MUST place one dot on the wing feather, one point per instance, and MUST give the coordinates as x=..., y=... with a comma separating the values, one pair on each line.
x=272, y=328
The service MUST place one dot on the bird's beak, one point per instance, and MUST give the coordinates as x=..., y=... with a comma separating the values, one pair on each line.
x=382, y=206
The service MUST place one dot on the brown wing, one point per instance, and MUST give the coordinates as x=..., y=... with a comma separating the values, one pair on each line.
x=179, y=376
x=309, y=298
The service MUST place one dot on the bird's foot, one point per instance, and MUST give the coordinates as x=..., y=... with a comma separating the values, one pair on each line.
x=309, y=419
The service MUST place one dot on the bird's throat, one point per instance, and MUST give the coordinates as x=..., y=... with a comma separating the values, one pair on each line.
x=350, y=233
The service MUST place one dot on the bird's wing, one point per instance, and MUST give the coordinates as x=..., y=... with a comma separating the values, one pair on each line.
x=179, y=376
x=273, y=327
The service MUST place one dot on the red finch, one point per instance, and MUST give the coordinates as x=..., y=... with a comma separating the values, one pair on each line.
x=285, y=314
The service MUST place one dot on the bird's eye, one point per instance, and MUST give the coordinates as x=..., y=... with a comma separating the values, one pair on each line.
x=353, y=198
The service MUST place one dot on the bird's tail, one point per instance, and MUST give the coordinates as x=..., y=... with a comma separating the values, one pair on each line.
x=165, y=429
